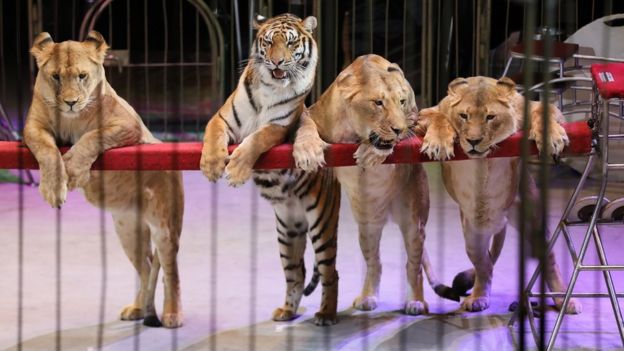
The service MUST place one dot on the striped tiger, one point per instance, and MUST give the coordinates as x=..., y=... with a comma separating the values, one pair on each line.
x=259, y=114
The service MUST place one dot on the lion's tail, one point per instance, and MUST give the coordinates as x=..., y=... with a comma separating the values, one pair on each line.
x=439, y=288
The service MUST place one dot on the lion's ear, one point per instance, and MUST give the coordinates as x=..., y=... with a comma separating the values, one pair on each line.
x=42, y=48
x=454, y=90
x=395, y=68
x=346, y=83
x=310, y=23
x=98, y=43
x=505, y=88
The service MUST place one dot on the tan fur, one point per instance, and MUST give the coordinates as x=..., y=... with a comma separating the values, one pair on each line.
x=146, y=206
x=348, y=112
x=485, y=188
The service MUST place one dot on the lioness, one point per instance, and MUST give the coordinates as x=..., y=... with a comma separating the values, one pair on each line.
x=73, y=103
x=371, y=103
x=480, y=112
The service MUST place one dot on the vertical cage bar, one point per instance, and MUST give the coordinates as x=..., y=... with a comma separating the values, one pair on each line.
x=253, y=268
x=525, y=210
x=540, y=243
x=197, y=75
x=58, y=291
x=20, y=196
x=146, y=61
x=370, y=21
x=386, y=15
x=110, y=25
x=165, y=69
x=483, y=46
x=2, y=58
x=337, y=37
x=456, y=37
x=73, y=19
x=31, y=61
x=214, y=272
x=181, y=60
x=403, y=36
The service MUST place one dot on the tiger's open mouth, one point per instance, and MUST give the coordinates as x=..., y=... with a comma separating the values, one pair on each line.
x=279, y=74
x=380, y=143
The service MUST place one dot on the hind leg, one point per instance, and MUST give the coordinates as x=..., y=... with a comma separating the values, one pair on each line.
x=554, y=279
x=166, y=241
x=323, y=234
x=555, y=283
x=291, y=229
x=135, y=241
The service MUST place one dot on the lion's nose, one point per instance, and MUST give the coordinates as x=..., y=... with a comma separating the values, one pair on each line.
x=71, y=103
x=474, y=142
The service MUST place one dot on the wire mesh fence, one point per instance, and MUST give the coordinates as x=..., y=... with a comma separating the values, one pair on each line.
x=176, y=62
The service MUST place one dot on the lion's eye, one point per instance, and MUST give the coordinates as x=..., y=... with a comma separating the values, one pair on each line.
x=82, y=75
x=463, y=116
x=490, y=117
x=379, y=102
x=402, y=102
x=56, y=77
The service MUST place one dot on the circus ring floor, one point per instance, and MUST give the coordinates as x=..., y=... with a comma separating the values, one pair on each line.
x=231, y=309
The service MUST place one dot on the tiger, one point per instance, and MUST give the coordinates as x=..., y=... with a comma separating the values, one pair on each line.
x=261, y=113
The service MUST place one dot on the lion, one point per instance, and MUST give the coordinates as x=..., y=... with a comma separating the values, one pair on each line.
x=74, y=104
x=371, y=103
x=480, y=112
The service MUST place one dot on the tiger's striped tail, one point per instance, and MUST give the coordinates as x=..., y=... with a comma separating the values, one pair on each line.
x=316, y=276
x=439, y=288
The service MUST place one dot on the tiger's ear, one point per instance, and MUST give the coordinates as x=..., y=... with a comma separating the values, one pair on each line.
x=310, y=23
x=42, y=48
x=258, y=21
x=98, y=44
x=505, y=88
x=454, y=90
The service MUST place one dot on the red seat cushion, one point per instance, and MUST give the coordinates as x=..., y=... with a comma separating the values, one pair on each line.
x=609, y=79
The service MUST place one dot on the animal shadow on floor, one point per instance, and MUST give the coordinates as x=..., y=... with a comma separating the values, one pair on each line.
x=384, y=330
x=85, y=338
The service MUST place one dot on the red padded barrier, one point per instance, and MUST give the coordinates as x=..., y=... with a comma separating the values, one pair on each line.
x=609, y=78
x=186, y=156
